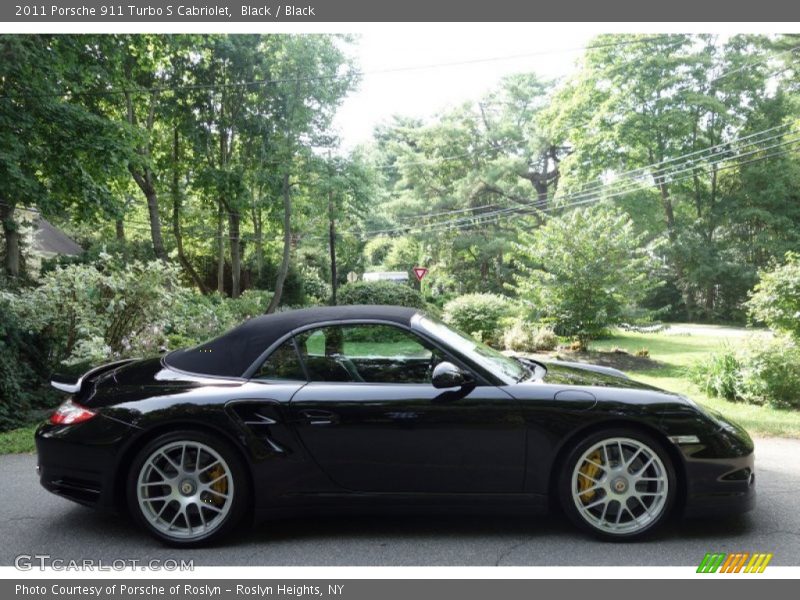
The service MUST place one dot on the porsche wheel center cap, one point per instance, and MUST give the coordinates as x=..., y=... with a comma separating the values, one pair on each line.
x=187, y=487
x=619, y=485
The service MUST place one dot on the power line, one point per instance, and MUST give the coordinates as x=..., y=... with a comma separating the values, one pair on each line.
x=666, y=176
x=493, y=215
x=595, y=188
x=647, y=169
x=753, y=64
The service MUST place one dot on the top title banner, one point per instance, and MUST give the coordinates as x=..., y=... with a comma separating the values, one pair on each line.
x=264, y=11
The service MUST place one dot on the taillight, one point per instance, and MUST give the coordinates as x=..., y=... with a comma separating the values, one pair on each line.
x=70, y=413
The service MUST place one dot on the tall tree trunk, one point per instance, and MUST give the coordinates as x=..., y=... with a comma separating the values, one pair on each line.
x=182, y=258
x=177, y=202
x=12, y=238
x=119, y=226
x=287, y=245
x=672, y=235
x=332, y=244
x=234, y=220
x=143, y=176
x=144, y=179
x=258, y=236
x=220, y=248
x=669, y=213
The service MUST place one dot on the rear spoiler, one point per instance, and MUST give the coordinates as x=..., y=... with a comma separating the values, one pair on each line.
x=72, y=386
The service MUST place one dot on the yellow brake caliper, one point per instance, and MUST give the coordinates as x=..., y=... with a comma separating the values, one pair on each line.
x=220, y=485
x=589, y=470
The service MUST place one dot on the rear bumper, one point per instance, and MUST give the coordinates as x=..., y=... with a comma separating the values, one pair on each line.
x=79, y=462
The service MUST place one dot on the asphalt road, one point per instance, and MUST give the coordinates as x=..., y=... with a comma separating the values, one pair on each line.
x=33, y=521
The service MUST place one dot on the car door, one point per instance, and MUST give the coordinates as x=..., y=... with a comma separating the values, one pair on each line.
x=373, y=421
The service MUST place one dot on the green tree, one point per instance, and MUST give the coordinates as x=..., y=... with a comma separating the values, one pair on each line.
x=640, y=101
x=583, y=271
x=55, y=153
x=455, y=184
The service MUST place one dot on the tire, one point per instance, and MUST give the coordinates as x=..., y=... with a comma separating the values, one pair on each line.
x=613, y=499
x=188, y=488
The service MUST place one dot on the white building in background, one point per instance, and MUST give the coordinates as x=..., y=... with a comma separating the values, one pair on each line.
x=393, y=276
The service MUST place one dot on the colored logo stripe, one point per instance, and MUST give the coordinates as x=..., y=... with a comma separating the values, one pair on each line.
x=711, y=563
x=758, y=563
x=734, y=563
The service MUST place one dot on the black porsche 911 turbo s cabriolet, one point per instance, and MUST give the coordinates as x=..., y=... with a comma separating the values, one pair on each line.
x=365, y=408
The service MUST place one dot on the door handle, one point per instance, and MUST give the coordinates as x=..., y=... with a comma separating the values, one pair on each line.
x=319, y=417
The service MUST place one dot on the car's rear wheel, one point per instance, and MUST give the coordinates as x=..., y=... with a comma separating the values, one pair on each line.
x=618, y=484
x=187, y=488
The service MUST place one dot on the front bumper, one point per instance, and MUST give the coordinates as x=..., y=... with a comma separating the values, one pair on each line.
x=720, y=471
x=720, y=487
x=79, y=462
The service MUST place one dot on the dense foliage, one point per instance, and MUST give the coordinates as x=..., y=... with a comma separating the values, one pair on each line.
x=22, y=369
x=763, y=371
x=759, y=372
x=659, y=180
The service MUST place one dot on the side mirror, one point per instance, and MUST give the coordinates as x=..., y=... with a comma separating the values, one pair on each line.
x=447, y=375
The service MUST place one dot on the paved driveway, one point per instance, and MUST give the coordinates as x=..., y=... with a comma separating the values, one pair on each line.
x=33, y=521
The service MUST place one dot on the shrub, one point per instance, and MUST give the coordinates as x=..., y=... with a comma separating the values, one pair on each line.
x=776, y=298
x=195, y=318
x=770, y=373
x=481, y=315
x=316, y=290
x=251, y=303
x=719, y=374
x=522, y=336
x=760, y=372
x=380, y=292
x=22, y=369
x=95, y=312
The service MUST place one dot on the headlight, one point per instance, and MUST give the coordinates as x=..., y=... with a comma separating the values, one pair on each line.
x=712, y=415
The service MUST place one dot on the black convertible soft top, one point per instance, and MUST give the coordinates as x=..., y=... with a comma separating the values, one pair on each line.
x=232, y=353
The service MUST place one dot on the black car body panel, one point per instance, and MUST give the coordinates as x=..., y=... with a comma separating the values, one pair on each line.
x=359, y=446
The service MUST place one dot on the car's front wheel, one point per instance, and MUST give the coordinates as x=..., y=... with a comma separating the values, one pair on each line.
x=618, y=484
x=187, y=488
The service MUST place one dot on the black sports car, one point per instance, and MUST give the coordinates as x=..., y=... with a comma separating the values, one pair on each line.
x=365, y=408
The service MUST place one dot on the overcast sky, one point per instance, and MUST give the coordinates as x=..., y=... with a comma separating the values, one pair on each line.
x=550, y=52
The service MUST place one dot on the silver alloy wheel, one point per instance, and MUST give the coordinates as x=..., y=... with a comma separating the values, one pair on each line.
x=620, y=486
x=185, y=489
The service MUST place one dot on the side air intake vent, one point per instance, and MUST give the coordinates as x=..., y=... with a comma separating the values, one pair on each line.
x=264, y=422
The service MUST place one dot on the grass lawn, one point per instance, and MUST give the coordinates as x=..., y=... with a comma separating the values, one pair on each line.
x=677, y=348
x=17, y=441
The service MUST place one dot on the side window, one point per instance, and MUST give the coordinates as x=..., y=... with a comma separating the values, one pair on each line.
x=282, y=364
x=368, y=353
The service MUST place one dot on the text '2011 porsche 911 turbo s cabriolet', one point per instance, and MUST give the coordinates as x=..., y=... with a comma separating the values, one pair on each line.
x=379, y=408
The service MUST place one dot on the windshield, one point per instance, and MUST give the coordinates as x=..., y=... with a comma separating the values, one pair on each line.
x=507, y=368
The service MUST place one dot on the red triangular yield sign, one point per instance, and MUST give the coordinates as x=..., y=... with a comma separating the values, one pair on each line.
x=420, y=272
